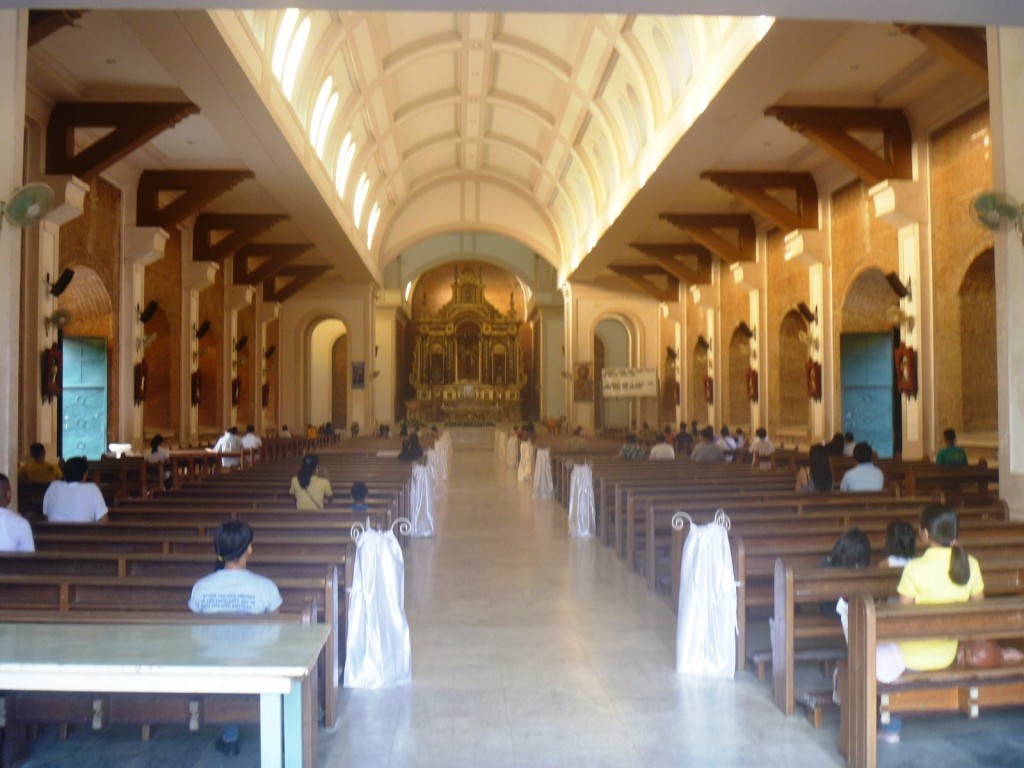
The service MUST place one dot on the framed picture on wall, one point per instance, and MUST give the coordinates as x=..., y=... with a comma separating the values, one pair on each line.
x=752, y=393
x=709, y=390
x=265, y=394
x=358, y=375
x=141, y=381
x=814, y=380
x=53, y=359
x=197, y=386
x=583, y=385
x=905, y=359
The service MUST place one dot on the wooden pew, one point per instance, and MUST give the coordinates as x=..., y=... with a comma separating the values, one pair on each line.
x=941, y=690
x=953, y=482
x=69, y=593
x=811, y=586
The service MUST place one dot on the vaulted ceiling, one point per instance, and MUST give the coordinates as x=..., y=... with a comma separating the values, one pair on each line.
x=568, y=134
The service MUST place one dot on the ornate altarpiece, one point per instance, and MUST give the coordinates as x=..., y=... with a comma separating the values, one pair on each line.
x=467, y=364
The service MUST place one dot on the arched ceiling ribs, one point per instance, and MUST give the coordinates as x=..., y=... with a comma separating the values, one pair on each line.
x=410, y=53
x=516, y=46
x=632, y=50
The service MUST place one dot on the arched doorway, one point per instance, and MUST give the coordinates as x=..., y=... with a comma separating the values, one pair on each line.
x=328, y=373
x=613, y=337
x=870, y=403
x=88, y=393
x=698, y=375
x=737, y=402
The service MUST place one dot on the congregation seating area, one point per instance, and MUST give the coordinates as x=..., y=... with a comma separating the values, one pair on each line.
x=779, y=541
x=140, y=564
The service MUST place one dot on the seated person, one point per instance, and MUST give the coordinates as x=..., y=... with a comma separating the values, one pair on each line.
x=157, y=452
x=683, y=440
x=15, y=532
x=232, y=588
x=576, y=443
x=285, y=432
x=662, y=450
x=74, y=499
x=900, y=544
x=37, y=469
x=228, y=443
x=707, y=451
x=311, y=486
x=952, y=455
x=761, y=448
x=631, y=449
x=849, y=443
x=250, y=440
x=817, y=476
x=359, y=493
x=411, y=448
x=853, y=550
x=865, y=476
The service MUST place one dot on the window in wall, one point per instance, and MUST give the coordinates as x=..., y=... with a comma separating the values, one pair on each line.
x=283, y=40
x=371, y=224
x=362, y=189
x=291, y=63
x=345, y=155
x=323, y=113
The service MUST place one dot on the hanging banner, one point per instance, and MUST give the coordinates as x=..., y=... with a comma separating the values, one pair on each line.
x=629, y=382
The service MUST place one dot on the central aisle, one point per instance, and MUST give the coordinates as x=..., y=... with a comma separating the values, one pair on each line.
x=533, y=649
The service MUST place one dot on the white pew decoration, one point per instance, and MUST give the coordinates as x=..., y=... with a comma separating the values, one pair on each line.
x=582, y=517
x=378, y=653
x=526, y=453
x=706, y=626
x=512, y=450
x=543, y=488
x=422, y=502
x=500, y=444
x=436, y=473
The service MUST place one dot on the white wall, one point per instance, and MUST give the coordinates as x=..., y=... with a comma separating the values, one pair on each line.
x=321, y=369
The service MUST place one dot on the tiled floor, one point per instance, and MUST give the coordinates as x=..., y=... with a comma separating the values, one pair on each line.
x=531, y=649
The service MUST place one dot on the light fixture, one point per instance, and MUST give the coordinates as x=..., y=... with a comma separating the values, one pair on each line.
x=58, y=286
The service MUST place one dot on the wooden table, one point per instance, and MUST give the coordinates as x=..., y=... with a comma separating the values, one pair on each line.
x=276, y=661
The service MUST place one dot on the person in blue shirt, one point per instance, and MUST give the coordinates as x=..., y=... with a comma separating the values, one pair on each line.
x=359, y=493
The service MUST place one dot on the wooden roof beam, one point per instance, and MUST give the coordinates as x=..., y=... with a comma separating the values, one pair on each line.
x=638, y=277
x=296, y=277
x=197, y=190
x=42, y=24
x=830, y=128
x=755, y=188
x=130, y=125
x=271, y=258
x=665, y=255
x=707, y=229
x=236, y=229
x=966, y=48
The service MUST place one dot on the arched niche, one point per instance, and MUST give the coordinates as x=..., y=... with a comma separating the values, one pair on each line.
x=976, y=301
x=325, y=379
x=615, y=337
x=737, y=401
x=794, y=405
x=698, y=372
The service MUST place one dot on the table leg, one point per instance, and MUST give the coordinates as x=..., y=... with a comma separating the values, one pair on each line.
x=293, y=735
x=271, y=730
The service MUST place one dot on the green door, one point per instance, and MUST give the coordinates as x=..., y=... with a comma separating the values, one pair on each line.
x=84, y=399
x=868, y=390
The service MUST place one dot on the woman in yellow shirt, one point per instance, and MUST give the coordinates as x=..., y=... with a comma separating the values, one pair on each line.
x=311, y=486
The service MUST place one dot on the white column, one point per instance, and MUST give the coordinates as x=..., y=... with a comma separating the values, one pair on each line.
x=381, y=369
x=142, y=246
x=750, y=276
x=236, y=297
x=1006, y=98
x=904, y=206
x=811, y=248
x=266, y=313
x=551, y=311
x=196, y=277
x=708, y=298
x=13, y=47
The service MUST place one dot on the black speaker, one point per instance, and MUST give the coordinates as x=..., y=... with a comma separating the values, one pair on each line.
x=746, y=330
x=897, y=285
x=806, y=313
x=240, y=344
x=270, y=352
x=61, y=283
x=147, y=314
x=203, y=329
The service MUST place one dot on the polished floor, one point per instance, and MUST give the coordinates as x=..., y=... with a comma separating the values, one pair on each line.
x=532, y=649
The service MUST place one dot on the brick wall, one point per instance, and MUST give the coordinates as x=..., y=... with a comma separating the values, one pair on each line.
x=163, y=401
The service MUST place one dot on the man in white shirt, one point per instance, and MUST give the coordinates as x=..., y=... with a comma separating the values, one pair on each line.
x=229, y=443
x=15, y=532
x=661, y=450
x=848, y=444
x=865, y=476
x=73, y=499
x=762, y=448
x=251, y=441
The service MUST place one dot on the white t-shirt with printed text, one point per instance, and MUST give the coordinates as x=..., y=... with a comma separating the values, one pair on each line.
x=234, y=591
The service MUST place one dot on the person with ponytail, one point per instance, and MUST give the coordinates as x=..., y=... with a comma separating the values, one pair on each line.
x=232, y=588
x=311, y=486
x=944, y=573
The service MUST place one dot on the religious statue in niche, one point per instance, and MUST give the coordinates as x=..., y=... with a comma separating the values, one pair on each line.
x=583, y=386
